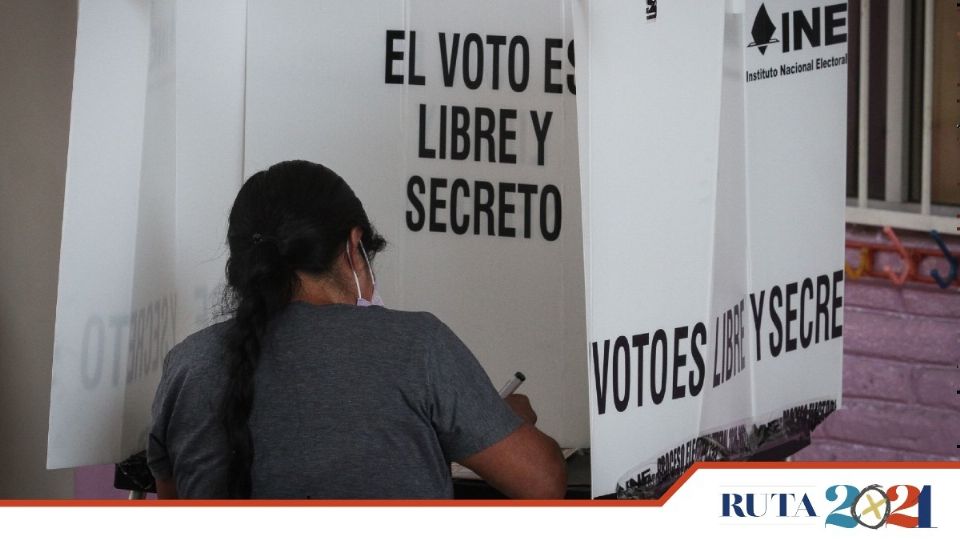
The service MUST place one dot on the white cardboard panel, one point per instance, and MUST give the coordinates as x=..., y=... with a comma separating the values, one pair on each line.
x=727, y=186
x=317, y=90
x=154, y=161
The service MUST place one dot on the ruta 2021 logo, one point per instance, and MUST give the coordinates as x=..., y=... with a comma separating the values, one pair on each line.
x=900, y=505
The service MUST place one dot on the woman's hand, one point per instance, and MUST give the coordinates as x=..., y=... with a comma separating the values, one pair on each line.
x=521, y=406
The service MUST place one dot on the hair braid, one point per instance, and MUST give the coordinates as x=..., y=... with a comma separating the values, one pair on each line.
x=292, y=217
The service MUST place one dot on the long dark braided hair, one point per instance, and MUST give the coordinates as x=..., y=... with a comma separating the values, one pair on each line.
x=294, y=216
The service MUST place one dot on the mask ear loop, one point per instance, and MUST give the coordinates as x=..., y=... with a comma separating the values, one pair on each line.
x=369, y=268
x=354, y=270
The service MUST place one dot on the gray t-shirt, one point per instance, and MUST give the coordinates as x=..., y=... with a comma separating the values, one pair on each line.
x=349, y=402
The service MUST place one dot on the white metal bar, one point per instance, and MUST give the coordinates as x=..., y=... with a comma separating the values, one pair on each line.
x=926, y=165
x=895, y=179
x=900, y=219
x=863, y=105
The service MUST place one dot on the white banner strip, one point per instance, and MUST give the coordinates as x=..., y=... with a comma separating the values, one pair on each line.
x=790, y=500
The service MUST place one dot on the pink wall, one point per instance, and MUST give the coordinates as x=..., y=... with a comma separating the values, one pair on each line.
x=901, y=371
x=95, y=482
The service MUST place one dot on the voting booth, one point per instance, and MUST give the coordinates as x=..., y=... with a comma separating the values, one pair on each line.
x=637, y=205
x=712, y=153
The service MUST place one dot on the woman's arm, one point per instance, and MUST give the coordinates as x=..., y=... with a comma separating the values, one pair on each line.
x=527, y=464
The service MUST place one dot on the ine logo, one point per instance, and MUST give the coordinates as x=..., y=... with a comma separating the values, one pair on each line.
x=651, y=10
x=818, y=26
x=762, y=31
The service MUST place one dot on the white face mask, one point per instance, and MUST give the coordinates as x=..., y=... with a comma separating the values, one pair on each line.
x=376, y=300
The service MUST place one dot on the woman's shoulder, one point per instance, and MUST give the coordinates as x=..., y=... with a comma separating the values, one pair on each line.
x=424, y=327
x=200, y=350
x=423, y=320
x=375, y=318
